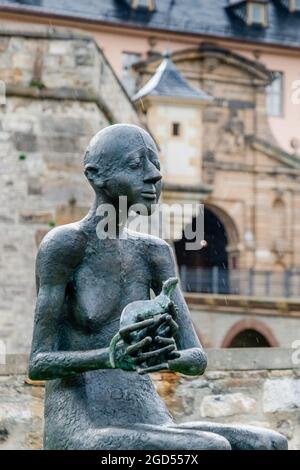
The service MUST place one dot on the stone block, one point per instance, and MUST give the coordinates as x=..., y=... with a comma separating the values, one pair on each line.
x=35, y=218
x=39, y=235
x=4, y=41
x=282, y=394
x=23, y=61
x=58, y=47
x=34, y=186
x=4, y=136
x=214, y=406
x=72, y=126
x=17, y=124
x=84, y=56
x=216, y=375
x=25, y=142
x=69, y=214
x=61, y=143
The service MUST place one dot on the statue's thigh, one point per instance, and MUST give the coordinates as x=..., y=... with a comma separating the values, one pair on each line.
x=144, y=437
x=242, y=437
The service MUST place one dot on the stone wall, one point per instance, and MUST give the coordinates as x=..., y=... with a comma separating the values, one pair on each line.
x=257, y=387
x=60, y=90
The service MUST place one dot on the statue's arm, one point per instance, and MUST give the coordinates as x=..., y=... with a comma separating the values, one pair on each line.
x=192, y=360
x=60, y=252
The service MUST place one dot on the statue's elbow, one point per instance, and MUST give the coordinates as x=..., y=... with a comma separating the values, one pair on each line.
x=199, y=363
x=202, y=362
x=34, y=369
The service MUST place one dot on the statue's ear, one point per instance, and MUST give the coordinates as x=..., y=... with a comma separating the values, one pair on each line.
x=91, y=172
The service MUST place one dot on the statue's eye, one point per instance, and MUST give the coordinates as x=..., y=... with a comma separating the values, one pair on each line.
x=136, y=163
x=157, y=164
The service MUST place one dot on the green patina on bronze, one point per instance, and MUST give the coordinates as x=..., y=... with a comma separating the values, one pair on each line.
x=92, y=289
x=141, y=311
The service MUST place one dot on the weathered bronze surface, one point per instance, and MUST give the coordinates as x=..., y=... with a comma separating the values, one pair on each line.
x=98, y=393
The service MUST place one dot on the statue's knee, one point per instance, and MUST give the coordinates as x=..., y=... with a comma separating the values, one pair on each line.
x=222, y=444
x=211, y=441
x=276, y=441
x=252, y=438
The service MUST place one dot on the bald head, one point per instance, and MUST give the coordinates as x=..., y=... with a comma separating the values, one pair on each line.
x=112, y=144
x=122, y=160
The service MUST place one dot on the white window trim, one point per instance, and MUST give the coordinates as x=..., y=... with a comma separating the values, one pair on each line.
x=250, y=21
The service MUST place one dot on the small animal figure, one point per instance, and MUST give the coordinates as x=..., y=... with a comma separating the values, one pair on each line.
x=139, y=314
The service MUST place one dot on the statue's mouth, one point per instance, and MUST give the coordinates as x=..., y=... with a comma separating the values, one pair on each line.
x=149, y=195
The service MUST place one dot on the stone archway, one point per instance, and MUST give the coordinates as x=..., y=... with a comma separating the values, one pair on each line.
x=264, y=334
x=207, y=268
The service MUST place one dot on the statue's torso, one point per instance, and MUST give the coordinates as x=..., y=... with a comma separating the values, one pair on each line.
x=111, y=275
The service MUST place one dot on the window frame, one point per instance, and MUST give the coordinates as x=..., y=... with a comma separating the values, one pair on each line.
x=176, y=125
x=250, y=16
x=293, y=6
x=280, y=93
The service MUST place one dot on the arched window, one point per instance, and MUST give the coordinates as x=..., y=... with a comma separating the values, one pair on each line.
x=249, y=333
x=206, y=269
x=249, y=338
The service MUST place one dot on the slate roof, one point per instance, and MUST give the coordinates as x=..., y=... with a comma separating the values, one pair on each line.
x=168, y=81
x=201, y=17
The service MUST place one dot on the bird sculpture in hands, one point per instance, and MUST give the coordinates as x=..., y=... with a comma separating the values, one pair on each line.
x=148, y=316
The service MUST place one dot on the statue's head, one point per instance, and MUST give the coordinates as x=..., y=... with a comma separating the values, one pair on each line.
x=122, y=160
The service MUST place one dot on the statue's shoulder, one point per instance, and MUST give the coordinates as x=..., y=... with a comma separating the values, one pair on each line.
x=150, y=242
x=63, y=245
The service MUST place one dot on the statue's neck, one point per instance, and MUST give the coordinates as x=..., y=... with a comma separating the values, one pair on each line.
x=98, y=212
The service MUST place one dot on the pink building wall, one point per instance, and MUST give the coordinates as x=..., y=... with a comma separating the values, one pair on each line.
x=284, y=128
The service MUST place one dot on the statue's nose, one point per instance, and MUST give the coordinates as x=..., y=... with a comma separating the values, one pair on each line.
x=152, y=174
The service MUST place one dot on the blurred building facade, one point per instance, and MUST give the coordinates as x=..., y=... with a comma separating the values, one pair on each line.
x=220, y=107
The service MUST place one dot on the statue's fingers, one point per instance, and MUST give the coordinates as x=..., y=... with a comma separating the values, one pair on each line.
x=157, y=323
x=154, y=354
x=173, y=310
x=173, y=355
x=140, y=345
x=170, y=329
x=156, y=368
x=164, y=331
x=173, y=326
x=163, y=341
x=125, y=332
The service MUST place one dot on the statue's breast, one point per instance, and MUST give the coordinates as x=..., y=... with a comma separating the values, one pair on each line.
x=106, y=281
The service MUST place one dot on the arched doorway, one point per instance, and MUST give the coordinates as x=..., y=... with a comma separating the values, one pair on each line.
x=207, y=268
x=249, y=333
x=249, y=339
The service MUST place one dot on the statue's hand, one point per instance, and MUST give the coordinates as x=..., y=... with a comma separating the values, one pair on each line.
x=125, y=355
x=147, y=343
x=163, y=348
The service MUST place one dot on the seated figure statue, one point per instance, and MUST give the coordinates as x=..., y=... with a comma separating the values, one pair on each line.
x=84, y=281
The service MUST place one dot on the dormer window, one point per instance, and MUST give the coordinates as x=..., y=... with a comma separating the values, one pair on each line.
x=252, y=12
x=145, y=4
x=257, y=13
x=294, y=5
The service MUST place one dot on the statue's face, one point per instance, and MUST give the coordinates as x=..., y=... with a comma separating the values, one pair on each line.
x=122, y=160
x=137, y=176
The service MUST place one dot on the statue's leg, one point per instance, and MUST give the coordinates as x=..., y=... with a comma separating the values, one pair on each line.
x=242, y=437
x=146, y=437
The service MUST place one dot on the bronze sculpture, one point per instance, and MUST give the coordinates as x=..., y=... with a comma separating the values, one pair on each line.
x=84, y=282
